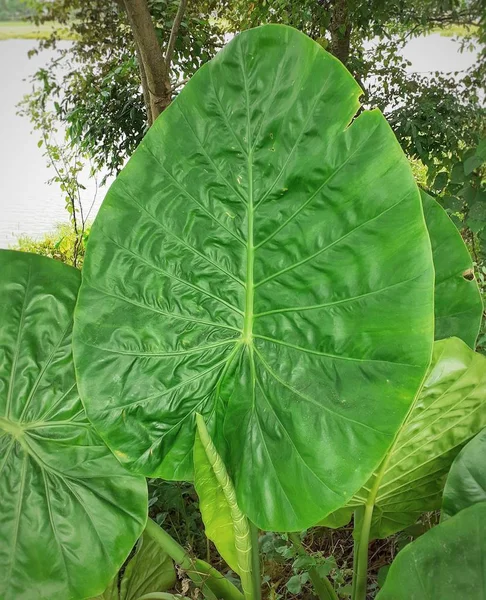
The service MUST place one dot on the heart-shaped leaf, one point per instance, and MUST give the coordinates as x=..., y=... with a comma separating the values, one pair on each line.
x=446, y=563
x=262, y=260
x=70, y=512
x=450, y=409
x=458, y=304
x=466, y=482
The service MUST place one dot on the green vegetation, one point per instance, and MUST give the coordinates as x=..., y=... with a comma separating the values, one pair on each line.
x=261, y=318
x=26, y=30
x=59, y=244
x=458, y=31
x=13, y=10
x=260, y=291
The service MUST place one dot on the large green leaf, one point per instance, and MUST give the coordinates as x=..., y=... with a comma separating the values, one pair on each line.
x=446, y=563
x=466, y=482
x=224, y=522
x=458, y=304
x=70, y=513
x=262, y=260
x=450, y=409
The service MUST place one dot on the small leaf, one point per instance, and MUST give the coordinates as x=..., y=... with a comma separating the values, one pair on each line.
x=466, y=482
x=295, y=583
x=303, y=562
x=472, y=163
x=457, y=173
x=150, y=570
x=452, y=203
x=458, y=307
x=477, y=212
x=440, y=181
x=326, y=566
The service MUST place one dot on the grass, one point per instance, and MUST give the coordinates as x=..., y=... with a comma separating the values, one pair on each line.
x=25, y=30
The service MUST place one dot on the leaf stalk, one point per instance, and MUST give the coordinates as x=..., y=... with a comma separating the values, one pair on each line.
x=212, y=583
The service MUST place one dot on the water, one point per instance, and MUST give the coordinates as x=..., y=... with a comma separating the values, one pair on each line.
x=29, y=206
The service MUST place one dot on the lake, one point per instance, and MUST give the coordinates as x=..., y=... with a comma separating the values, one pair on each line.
x=28, y=205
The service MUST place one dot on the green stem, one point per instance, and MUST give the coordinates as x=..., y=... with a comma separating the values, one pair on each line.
x=212, y=583
x=322, y=585
x=362, y=517
x=256, y=588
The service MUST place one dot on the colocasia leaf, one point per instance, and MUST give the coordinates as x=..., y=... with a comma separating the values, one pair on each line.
x=466, y=481
x=450, y=409
x=70, y=512
x=261, y=260
x=446, y=563
x=458, y=304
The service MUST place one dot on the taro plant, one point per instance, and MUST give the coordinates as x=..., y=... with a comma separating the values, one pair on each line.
x=70, y=512
x=261, y=293
x=262, y=260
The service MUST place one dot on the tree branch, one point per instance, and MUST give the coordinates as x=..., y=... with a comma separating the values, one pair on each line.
x=145, y=87
x=174, y=32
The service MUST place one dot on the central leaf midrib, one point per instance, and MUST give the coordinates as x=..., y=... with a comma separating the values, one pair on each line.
x=248, y=318
x=248, y=322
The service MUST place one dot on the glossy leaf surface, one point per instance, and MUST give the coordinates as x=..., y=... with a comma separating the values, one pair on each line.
x=264, y=261
x=450, y=409
x=224, y=522
x=446, y=563
x=458, y=304
x=68, y=507
x=466, y=481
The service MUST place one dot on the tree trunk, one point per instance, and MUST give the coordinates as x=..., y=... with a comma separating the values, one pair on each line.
x=340, y=29
x=153, y=64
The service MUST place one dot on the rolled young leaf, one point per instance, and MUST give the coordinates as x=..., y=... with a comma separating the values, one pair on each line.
x=263, y=260
x=70, y=512
x=458, y=305
x=466, y=481
x=446, y=563
x=224, y=522
x=450, y=409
